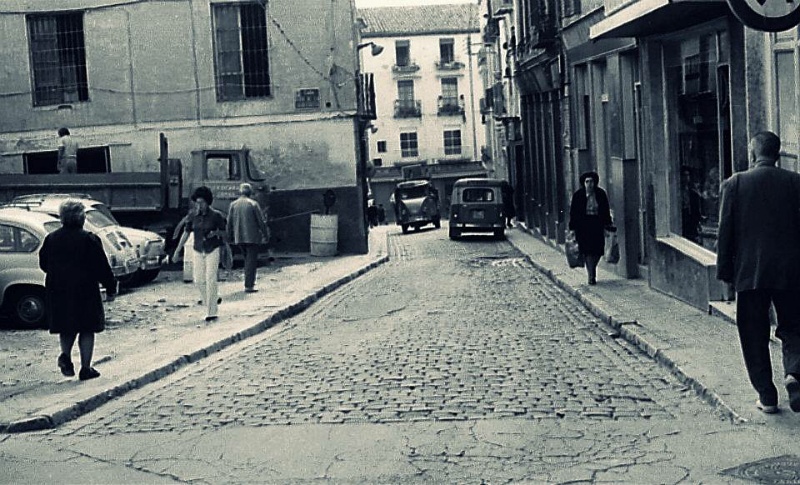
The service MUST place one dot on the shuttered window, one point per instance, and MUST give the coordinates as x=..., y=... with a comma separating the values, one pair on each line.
x=241, y=50
x=58, y=59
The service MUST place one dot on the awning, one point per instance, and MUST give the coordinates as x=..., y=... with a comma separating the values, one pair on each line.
x=649, y=17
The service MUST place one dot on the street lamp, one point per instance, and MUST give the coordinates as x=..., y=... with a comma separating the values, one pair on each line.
x=376, y=49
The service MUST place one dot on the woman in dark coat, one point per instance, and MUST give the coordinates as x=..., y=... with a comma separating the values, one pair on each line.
x=589, y=215
x=75, y=263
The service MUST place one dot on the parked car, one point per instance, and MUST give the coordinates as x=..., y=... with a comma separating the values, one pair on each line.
x=21, y=280
x=148, y=246
x=416, y=204
x=476, y=205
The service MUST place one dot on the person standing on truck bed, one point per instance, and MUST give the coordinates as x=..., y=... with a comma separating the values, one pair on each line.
x=247, y=228
x=67, y=152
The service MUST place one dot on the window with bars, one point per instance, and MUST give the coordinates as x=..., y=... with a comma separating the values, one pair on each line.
x=241, y=50
x=408, y=144
x=446, y=50
x=58, y=58
x=452, y=142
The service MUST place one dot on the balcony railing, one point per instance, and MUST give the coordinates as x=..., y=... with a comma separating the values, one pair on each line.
x=407, y=108
x=502, y=7
x=411, y=66
x=366, y=96
x=449, y=65
x=451, y=106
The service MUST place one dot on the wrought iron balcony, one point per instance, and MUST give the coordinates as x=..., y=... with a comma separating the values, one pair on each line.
x=449, y=65
x=411, y=66
x=451, y=106
x=407, y=108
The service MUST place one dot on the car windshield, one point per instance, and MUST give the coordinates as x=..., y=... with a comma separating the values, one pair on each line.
x=98, y=219
x=103, y=209
x=52, y=226
x=413, y=192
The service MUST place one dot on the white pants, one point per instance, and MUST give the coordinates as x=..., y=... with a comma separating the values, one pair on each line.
x=205, y=278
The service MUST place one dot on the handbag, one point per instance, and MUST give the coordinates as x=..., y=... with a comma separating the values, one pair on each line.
x=612, y=246
x=574, y=257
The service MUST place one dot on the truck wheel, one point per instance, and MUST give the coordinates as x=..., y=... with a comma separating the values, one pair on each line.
x=454, y=233
x=405, y=228
x=437, y=223
x=27, y=306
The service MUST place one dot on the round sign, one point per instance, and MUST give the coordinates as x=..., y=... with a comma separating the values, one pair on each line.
x=767, y=15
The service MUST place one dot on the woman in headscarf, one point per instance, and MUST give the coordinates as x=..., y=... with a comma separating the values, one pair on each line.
x=589, y=215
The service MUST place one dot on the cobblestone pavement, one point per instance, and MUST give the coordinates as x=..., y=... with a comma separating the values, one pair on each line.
x=457, y=362
x=442, y=333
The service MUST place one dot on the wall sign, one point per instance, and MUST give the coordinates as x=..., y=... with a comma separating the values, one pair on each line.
x=767, y=15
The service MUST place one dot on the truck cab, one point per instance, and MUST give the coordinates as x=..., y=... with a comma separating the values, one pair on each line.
x=223, y=171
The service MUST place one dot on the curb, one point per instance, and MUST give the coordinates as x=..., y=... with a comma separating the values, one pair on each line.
x=632, y=336
x=54, y=416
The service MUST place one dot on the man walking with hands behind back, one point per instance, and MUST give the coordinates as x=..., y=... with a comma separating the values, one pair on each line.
x=758, y=253
x=247, y=228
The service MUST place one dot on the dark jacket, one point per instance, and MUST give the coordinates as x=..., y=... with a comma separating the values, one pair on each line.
x=246, y=223
x=75, y=264
x=758, y=246
x=589, y=230
x=202, y=226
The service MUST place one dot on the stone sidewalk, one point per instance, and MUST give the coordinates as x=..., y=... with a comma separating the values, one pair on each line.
x=154, y=330
x=701, y=349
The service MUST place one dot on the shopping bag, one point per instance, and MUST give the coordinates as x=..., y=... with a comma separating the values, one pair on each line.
x=574, y=257
x=612, y=246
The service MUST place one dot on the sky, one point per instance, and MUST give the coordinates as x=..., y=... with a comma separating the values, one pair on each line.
x=399, y=3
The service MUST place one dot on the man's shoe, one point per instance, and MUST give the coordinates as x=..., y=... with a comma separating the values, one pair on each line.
x=765, y=408
x=793, y=388
x=88, y=373
x=211, y=318
x=66, y=366
x=250, y=290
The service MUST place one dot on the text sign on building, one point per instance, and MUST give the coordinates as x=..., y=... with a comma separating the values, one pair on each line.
x=767, y=15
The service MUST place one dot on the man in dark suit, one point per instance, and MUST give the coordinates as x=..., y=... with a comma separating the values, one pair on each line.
x=758, y=253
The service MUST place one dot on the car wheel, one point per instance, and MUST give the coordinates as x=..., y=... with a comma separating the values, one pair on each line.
x=148, y=275
x=28, y=307
x=499, y=233
x=437, y=223
x=129, y=280
x=454, y=233
x=405, y=228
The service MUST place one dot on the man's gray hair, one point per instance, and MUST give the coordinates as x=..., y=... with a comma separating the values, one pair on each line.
x=246, y=189
x=72, y=213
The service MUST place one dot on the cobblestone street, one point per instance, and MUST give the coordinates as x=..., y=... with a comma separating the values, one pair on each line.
x=455, y=362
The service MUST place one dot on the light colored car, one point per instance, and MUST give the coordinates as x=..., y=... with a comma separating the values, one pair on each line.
x=21, y=280
x=148, y=246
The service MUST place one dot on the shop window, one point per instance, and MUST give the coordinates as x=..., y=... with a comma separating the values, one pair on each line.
x=241, y=52
x=582, y=108
x=786, y=102
x=58, y=59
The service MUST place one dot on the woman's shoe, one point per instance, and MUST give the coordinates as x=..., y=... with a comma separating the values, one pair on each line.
x=592, y=281
x=87, y=373
x=66, y=366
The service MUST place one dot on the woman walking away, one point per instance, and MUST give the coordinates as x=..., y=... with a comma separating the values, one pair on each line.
x=75, y=263
x=589, y=215
x=207, y=225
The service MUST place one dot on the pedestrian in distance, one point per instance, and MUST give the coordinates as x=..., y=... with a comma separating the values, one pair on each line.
x=758, y=256
x=381, y=214
x=67, y=152
x=208, y=226
x=372, y=215
x=589, y=216
x=509, y=211
x=247, y=228
x=75, y=263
